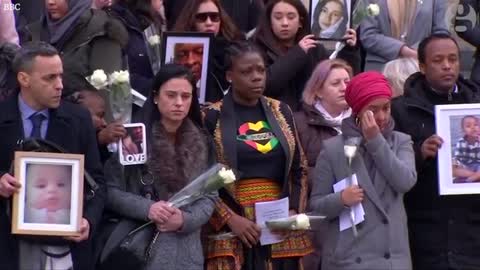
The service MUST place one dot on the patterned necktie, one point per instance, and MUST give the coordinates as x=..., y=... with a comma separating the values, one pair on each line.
x=37, y=120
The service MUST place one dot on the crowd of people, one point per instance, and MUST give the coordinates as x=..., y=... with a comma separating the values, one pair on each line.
x=278, y=111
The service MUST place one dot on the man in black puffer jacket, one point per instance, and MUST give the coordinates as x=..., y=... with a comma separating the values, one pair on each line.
x=444, y=230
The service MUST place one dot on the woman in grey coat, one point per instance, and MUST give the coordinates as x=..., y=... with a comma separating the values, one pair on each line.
x=178, y=151
x=399, y=28
x=384, y=166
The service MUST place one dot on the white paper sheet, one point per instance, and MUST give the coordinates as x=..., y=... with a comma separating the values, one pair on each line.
x=271, y=210
x=358, y=210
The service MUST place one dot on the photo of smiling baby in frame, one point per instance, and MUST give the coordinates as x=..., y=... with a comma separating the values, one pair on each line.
x=50, y=200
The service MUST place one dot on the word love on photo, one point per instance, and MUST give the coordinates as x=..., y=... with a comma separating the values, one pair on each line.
x=133, y=147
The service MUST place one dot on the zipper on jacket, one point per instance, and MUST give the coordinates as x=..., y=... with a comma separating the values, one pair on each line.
x=450, y=95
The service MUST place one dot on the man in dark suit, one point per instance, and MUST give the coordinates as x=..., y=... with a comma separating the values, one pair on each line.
x=37, y=111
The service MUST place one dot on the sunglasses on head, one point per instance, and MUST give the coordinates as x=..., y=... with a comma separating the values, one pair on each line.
x=202, y=17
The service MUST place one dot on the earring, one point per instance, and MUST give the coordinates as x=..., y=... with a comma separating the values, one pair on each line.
x=357, y=121
x=155, y=102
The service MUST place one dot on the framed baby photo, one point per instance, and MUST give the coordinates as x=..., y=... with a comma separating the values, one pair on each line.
x=50, y=200
x=459, y=157
x=191, y=50
x=133, y=147
x=330, y=19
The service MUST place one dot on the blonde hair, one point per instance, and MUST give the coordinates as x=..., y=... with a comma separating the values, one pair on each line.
x=318, y=77
x=397, y=71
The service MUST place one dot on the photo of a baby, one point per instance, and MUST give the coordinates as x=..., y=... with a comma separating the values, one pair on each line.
x=466, y=149
x=48, y=193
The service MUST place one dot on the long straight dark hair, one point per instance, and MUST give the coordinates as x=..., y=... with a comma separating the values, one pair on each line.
x=186, y=20
x=264, y=29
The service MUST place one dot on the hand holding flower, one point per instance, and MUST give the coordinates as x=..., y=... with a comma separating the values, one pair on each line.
x=160, y=212
x=174, y=223
x=352, y=195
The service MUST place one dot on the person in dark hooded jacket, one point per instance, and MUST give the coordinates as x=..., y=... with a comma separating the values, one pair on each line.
x=444, y=231
x=208, y=16
x=136, y=16
x=87, y=39
x=291, y=52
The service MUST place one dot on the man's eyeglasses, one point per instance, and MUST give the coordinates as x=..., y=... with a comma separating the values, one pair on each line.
x=202, y=17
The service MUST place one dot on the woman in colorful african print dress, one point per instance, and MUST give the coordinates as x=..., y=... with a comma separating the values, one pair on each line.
x=256, y=136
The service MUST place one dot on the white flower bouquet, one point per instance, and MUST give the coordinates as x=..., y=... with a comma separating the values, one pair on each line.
x=153, y=43
x=118, y=90
x=361, y=10
x=212, y=180
x=293, y=223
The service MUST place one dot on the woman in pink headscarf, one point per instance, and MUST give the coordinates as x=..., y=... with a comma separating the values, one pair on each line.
x=383, y=169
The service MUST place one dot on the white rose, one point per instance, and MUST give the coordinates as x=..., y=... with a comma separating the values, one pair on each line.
x=373, y=10
x=154, y=40
x=98, y=79
x=227, y=175
x=349, y=151
x=114, y=77
x=302, y=222
x=123, y=77
x=118, y=77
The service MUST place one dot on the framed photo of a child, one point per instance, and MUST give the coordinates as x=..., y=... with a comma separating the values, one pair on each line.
x=459, y=157
x=50, y=200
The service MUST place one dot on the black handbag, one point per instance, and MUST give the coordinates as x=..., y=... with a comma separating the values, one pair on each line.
x=134, y=250
x=130, y=244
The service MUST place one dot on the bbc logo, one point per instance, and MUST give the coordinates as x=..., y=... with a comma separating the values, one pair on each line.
x=11, y=7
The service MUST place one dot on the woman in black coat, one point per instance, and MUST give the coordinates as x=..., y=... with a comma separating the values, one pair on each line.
x=87, y=39
x=291, y=52
x=208, y=16
x=136, y=16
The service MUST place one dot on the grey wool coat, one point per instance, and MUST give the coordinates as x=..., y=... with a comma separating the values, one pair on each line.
x=190, y=157
x=382, y=241
x=376, y=34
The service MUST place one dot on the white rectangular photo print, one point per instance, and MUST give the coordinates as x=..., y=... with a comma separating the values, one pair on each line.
x=459, y=156
x=133, y=147
x=50, y=200
x=330, y=19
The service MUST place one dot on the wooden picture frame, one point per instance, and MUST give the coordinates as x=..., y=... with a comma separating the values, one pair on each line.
x=333, y=22
x=191, y=50
x=50, y=200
